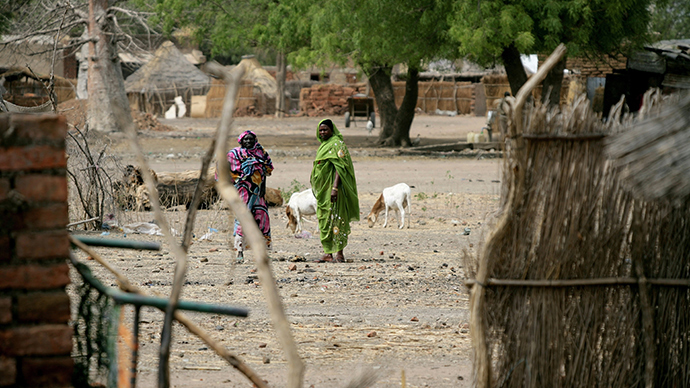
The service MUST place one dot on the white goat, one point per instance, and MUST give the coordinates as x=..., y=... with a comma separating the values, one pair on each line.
x=300, y=204
x=394, y=198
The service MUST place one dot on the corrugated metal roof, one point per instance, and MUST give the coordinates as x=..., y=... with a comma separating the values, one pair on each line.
x=647, y=61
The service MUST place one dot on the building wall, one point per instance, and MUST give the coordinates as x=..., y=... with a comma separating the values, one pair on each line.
x=35, y=337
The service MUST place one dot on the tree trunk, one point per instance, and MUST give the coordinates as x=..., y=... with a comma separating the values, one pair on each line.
x=380, y=81
x=514, y=68
x=108, y=108
x=281, y=66
x=551, y=87
x=403, y=120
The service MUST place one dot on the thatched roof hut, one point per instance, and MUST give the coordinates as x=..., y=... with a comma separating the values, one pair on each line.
x=24, y=88
x=169, y=74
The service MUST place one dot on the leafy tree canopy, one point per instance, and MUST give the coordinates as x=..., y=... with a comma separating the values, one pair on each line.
x=229, y=29
x=377, y=32
x=671, y=19
x=483, y=29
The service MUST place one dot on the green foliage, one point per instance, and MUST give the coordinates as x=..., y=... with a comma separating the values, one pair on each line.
x=421, y=196
x=484, y=29
x=378, y=32
x=671, y=19
x=295, y=187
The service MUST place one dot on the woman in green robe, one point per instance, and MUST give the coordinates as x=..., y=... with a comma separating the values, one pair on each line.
x=333, y=183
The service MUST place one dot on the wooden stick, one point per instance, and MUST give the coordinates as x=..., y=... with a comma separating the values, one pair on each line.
x=196, y=199
x=646, y=307
x=177, y=251
x=478, y=327
x=578, y=137
x=526, y=89
x=619, y=281
x=81, y=222
x=192, y=327
x=251, y=229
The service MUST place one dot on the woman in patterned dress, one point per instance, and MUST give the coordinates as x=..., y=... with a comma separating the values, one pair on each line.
x=250, y=164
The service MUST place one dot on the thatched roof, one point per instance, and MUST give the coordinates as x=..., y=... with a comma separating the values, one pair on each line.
x=16, y=73
x=167, y=70
x=259, y=76
x=655, y=153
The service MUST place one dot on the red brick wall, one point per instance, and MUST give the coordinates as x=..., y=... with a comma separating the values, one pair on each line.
x=35, y=338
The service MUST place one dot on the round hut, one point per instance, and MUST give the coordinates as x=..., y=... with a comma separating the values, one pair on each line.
x=153, y=88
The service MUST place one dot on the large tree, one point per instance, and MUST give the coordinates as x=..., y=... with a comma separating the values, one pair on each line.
x=671, y=19
x=499, y=30
x=376, y=35
x=106, y=26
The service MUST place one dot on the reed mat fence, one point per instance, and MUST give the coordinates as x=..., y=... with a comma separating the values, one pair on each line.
x=445, y=96
x=581, y=283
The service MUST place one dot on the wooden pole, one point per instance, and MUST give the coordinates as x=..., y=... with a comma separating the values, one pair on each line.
x=478, y=327
x=251, y=229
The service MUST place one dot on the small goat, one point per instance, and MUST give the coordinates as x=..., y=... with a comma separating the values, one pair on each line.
x=300, y=204
x=394, y=198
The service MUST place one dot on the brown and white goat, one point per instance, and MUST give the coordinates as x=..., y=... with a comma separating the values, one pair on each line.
x=394, y=198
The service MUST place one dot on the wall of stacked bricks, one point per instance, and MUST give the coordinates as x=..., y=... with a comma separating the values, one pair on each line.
x=35, y=338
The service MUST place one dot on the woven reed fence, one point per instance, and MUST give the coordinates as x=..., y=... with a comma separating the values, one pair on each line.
x=580, y=284
x=495, y=85
x=446, y=96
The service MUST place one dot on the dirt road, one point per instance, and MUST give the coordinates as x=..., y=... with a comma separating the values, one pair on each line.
x=397, y=306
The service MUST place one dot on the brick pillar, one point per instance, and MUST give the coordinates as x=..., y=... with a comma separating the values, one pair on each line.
x=35, y=338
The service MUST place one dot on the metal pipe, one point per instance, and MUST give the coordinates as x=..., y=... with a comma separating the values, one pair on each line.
x=118, y=243
x=141, y=300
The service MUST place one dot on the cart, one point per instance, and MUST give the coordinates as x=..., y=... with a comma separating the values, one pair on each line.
x=360, y=105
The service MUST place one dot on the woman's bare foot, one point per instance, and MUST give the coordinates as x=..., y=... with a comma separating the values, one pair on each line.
x=339, y=258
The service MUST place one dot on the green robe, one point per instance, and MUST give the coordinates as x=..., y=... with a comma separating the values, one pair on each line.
x=334, y=218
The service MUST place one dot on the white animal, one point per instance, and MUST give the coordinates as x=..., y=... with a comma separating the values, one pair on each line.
x=181, y=108
x=370, y=126
x=394, y=198
x=171, y=113
x=300, y=204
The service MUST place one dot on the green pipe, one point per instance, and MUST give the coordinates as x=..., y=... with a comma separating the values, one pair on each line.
x=161, y=303
x=117, y=243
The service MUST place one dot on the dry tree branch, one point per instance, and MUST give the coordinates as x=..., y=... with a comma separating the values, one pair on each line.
x=478, y=294
x=192, y=327
x=196, y=199
x=177, y=251
x=249, y=226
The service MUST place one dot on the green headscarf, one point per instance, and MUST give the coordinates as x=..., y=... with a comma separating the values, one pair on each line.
x=334, y=218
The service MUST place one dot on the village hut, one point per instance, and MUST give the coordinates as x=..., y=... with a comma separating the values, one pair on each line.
x=153, y=88
x=257, y=94
x=25, y=91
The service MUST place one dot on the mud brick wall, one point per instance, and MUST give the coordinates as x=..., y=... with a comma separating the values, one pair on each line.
x=35, y=338
x=327, y=99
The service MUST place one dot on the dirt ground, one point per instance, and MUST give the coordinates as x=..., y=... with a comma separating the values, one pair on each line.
x=397, y=307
